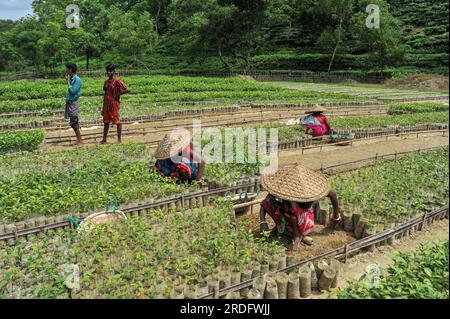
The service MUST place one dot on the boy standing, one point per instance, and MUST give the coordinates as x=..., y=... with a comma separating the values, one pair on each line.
x=114, y=88
x=72, y=96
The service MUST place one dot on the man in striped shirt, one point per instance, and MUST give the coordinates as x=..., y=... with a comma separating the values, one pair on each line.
x=113, y=88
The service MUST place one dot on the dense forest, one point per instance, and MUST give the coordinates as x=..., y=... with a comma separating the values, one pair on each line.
x=314, y=35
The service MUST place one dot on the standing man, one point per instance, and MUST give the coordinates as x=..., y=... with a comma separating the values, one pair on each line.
x=72, y=96
x=114, y=88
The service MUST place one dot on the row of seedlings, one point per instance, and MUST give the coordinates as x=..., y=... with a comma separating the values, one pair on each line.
x=417, y=99
x=325, y=104
x=188, y=200
x=270, y=281
x=29, y=125
x=165, y=115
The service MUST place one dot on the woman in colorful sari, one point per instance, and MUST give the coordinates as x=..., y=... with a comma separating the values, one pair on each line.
x=316, y=122
x=294, y=192
x=176, y=159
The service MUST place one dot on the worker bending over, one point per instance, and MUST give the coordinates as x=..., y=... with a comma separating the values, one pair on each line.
x=316, y=122
x=176, y=158
x=294, y=192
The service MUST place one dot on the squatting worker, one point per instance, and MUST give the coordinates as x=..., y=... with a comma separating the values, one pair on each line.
x=294, y=192
x=175, y=158
x=114, y=88
x=316, y=122
x=72, y=97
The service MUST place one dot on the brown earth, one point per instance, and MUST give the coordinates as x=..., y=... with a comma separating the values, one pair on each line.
x=426, y=82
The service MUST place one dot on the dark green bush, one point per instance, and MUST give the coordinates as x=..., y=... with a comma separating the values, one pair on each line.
x=12, y=141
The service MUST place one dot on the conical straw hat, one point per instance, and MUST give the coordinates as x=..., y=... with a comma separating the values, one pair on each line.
x=296, y=183
x=316, y=109
x=172, y=144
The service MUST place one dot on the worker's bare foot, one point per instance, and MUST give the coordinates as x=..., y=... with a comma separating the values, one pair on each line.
x=79, y=144
x=119, y=141
x=103, y=142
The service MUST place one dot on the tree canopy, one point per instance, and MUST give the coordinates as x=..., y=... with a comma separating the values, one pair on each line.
x=321, y=34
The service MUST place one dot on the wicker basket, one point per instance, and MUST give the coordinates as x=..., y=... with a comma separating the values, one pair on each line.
x=100, y=218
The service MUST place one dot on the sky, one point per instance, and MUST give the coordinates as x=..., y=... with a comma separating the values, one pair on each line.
x=15, y=9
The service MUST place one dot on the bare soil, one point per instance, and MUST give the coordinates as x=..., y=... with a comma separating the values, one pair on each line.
x=426, y=82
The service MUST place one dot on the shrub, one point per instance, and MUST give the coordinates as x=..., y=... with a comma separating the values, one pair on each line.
x=12, y=141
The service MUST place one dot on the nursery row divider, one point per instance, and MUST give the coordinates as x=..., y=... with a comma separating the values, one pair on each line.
x=234, y=110
x=213, y=123
x=358, y=139
x=296, y=144
x=381, y=157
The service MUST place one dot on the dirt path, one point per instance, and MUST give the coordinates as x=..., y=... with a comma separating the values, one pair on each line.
x=340, y=154
x=382, y=256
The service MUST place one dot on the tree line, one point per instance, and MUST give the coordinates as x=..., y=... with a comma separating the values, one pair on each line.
x=233, y=31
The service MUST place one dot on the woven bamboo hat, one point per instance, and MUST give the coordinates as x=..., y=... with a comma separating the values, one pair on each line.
x=172, y=144
x=296, y=183
x=316, y=109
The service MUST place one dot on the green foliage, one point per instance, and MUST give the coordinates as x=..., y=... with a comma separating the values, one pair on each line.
x=417, y=107
x=389, y=121
x=144, y=258
x=13, y=141
x=415, y=183
x=425, y=24
x=43, y=95
x=77, y=180
x=224, y=35
x=132, y=33
x=382, y=44
x=422, y=274
x=81, y=180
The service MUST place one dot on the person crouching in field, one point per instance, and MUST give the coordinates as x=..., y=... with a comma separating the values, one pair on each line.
x=316, y=123
x=72, y=103
x=175, y=158
x=294, y=192
x=114, y=88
